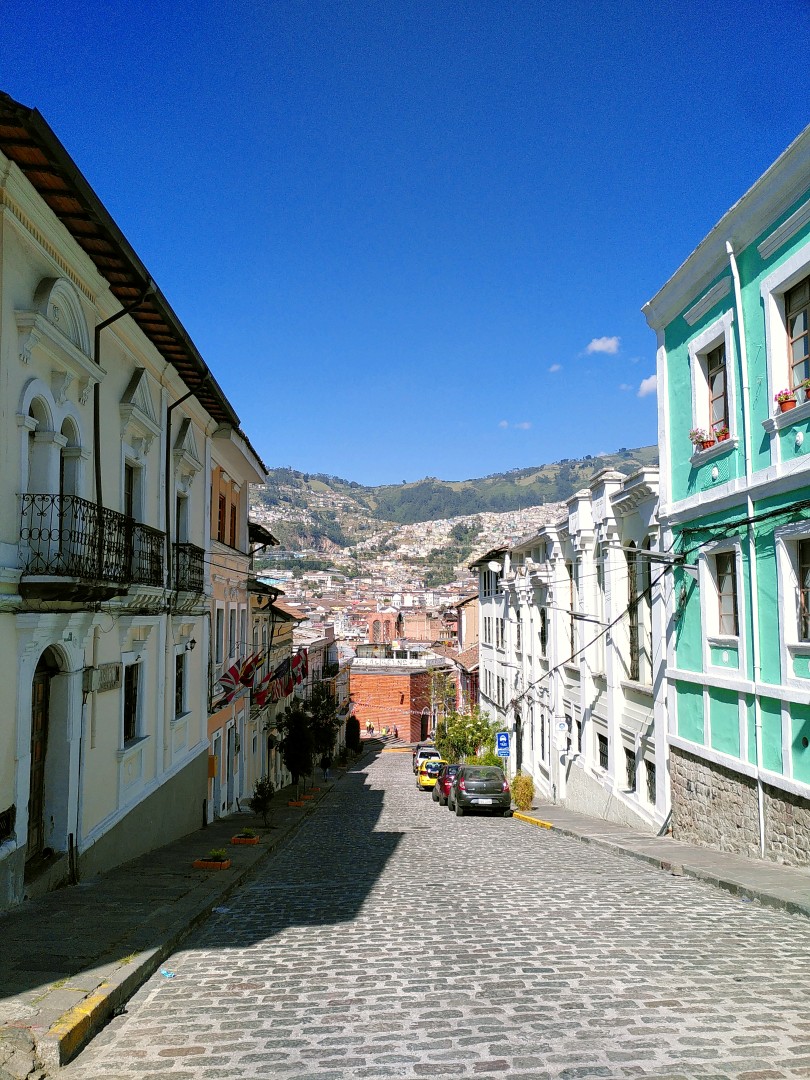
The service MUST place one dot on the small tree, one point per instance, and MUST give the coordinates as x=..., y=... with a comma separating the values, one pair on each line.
x=324, y=721
x=296, y=740
x=262, y=797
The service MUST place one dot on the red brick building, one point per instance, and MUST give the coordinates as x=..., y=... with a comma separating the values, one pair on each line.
x=391, y=694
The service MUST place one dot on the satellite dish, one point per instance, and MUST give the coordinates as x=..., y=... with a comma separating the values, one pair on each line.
x=495, y=566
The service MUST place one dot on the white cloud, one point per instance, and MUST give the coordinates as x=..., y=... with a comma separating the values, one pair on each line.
x=504, y=423
x=625, y=387
x=604, y=344
x=524, y=425
x=648, y=386
x=555, y=367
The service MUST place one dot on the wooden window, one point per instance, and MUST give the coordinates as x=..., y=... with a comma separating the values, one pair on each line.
x=718, y=397
x=726, y=571
x=232, y=538
x=129, y=490
x=632, y=611
x=130, y=702
x=232, y=633
x=221, y=517
x=179, y=683
x=797, y=313
x=571, y=597
x=543, y=631
x=219, y=656
x=518, y=642
x=804, y=590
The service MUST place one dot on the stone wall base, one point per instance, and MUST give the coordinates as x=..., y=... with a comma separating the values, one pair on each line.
x=718, y=808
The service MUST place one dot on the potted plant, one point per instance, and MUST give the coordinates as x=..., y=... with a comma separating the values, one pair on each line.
x=721, y=433
x=805, y=385
x=701, y=438
x=216, y=859
x=246, y=836
x=785, y=399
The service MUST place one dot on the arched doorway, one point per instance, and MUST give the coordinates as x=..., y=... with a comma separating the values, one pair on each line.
x=40, y=716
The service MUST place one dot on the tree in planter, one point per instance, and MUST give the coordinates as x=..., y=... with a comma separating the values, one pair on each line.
x=259, y=802
x=295, y=740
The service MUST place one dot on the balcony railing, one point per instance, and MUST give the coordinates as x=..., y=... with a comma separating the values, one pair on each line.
x=188, y=568
x=65, y=536
x=147, y=554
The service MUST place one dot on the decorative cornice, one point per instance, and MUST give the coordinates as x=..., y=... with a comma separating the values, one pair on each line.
x=707, y=301
x=785, y=232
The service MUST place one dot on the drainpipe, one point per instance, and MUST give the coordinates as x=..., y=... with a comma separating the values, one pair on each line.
x=752, y=555
x=148, y=288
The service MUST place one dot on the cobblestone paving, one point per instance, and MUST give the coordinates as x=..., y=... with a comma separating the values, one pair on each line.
x=391, y=939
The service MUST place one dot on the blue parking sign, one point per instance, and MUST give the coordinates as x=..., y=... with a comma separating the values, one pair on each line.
x=502, y=743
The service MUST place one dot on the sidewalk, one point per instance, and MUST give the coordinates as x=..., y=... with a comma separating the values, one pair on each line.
x=71, y=959
x=784, y=887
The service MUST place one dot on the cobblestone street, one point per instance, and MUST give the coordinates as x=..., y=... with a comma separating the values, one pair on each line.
x=389, y=938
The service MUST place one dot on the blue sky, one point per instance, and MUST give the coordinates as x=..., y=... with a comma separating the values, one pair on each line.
x=414, y=238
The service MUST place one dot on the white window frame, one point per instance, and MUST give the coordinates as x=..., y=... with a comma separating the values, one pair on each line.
x=709, y=604
x=787, y=540
x=719, y=333
x=773, y=289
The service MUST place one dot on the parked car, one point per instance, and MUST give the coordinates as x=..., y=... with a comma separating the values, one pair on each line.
x=423, y=752
x=443, y=782
x=480, y=787
x=427, y=772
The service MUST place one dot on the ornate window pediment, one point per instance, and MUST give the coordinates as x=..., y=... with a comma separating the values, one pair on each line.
x=139, y=424
x=186, y=456
x=56, y=327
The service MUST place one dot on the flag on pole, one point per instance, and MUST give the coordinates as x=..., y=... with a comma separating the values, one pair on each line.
x=230, y=682
x=249, y=668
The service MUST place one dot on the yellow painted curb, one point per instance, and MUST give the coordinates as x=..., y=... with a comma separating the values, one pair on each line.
x=397, y=750
x=71, y=1031
x=532, y=820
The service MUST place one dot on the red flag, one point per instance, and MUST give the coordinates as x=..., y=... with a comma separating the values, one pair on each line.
x=230, y=682
x=249, y=668
x=264, y=690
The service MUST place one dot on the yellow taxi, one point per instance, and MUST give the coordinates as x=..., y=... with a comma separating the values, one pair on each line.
x=427, y=772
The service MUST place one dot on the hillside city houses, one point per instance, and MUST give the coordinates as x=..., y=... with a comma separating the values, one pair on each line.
x=646, y=644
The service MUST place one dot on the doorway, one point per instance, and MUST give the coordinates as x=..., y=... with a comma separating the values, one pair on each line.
x=40, y=716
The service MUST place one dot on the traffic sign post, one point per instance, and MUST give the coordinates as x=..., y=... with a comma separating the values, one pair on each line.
x=502, y=743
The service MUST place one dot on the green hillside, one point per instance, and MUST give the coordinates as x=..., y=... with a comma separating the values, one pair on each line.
x=431, y=499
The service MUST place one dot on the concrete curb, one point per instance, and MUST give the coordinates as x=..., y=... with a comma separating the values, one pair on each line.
x=59, y=1042
x=681, y=868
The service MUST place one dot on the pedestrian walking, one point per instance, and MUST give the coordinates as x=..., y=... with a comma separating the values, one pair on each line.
x=326, y=761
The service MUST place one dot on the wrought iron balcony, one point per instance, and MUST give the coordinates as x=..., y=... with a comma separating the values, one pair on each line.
x=189, y=566
x=101, y=551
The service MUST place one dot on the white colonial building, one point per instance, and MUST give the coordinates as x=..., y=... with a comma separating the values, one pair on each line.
x=567, y=663
x=108, y=415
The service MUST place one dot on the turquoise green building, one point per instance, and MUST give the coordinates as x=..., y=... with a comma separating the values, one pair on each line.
x=733, y=327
